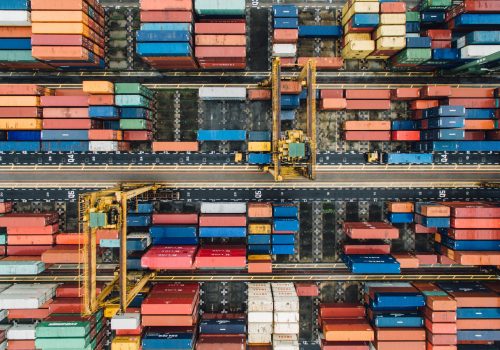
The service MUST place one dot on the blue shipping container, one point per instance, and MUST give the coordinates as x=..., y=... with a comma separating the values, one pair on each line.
x=173, y=231
x=285, y=11
x=221, y=135
x=144, y=208
x=224, y=326
x=259, y=239
x=233, y=232
x=445, y=54
x=470, y=244
x=175, y=240
x=288, y=114
x=408, y=158
x=479, y=313
x=484, y=335
x=444, y=122
x=259, y=249
x=104, y=112
x=434, y=222
x=365, y=20
x=285, y=225
x=477, y=113
x=164, y=35
x=283, y=239
x=286, y=23
x=442, y=134
x=445, y=111
x=65, y=146
x=136, y=244
x=401, y=218
x=464, y=146
x=372, y=264
x=418, y=43
x=164, y=49
x=398, y=320
x=259, y=158
x=167, y=26
x=14, y=5
x=259, y=136
x=138, y=220
x=433, y=17
x=135, y=113
x=320, y=31
x=15, y=44
x=403, y=125
x=285, y=211
x=413, y=27
x=282, y=249
x=479, y=38
x=290, y=101
x=62, y=135
x=19, y=146
x=162, y=338
x=477, y=19
x=400, y=300
x=24, y=135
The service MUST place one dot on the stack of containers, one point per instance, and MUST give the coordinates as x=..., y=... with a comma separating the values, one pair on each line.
x=285, y=316
x=15, y=36
x=364, y=261
x=477, y=312
x=221, y=34
x=326, y=32
x=390, y=34
x=394, y=312
x=285, y=226
x=344, y=326
x=259, y=147
x=367, y=130
x=128, y=328
x=442, y=123
x=138, y=107
x=260, y=314
x=180, y=315
x=225, y=223
x=5, y=208
x=440, y=317
x=432, y=12
x=400, y=212
x=20, y=116
x=474, y=234
x=171, y=301
x=432, y=215
x=290, y=99
x=443, y=55
x=29, y=234
x=285, y=33
x=139, y=239
x=478, y=44
x=332, y=100
x=69, y=34
x=65, y=251
x=359, y=20
x=102, y=107
x=173, y=229
x=404, y=130
x=165, y=39
x=222, y=331
x=259, y=237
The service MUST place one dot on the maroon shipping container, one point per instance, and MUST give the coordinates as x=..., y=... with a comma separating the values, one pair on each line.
x=471, y=102
x=167, y=16
x=28, y=219
x=71, y=124
x=221, y=342
x=493, y=135
x=475, y=136
x=64, y=101
x=221, y=257
x=438, y=34
x=362, y=94
x=441, y=44
x=220, y=28
x=20, y=112
x=66, y=112
x=175, y=219
x=223, y=220
x=101, y=100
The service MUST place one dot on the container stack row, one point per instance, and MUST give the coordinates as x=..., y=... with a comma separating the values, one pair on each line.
x=259, y=147
x=285, y=33
x=285, y=316
x=259, y=237
x=285, y=227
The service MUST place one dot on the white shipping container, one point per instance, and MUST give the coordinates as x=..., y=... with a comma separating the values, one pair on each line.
x=260, y=328
x=254, y=338
x=256, y=316
x=15, y=18
x=286, y=345
x=20, y=302
x=478, y=51
x=286, y=328
x=21, y=332
x=260, y=305
x=126, y=321
x=369, y=285
x=286, y=304
x=285, y=337
x=284, y=50
x=222, y=93
x=259, y=285
x=103, y=146
x=412, y=35
x=223, y=208
x=286, y=317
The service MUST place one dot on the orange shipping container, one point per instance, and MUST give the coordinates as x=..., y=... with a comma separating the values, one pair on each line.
x=220, y=28
x=348, y=332
x=435, y=91
x=98, y=87
x=402, y=94
x=323, y=62
x=259, y=94
x=160, y=146
x=367, y=125
x=423, y=104
x=367, y=135
x=220, y=40
x=20, y=124
x=62, y=53
x=62, y=255
x=369, y=104
x=260, y=266
x=472, y=93
x=475, y=223
x=440, y=328
x=260, y=210
x=407, y=261
x=398, y=345
x=105, y=135
x=101, y=100
x=167, y=16
x=15, y=32
x=440, y=316
x=70, y=239
x=333, y=104
x=224, y=52
x=106, y=234
x=285, y=36
x=363, y=94
x=478, y=124
x=171, y=5
x=60, y=28
x=66, y=112
x=30, y=239
x=395, y=334
x=400, y=207
x=435, y=210
x=441, y=303
x=60, y=16
x=290, y=87
x=463, y=324
x=19, y=101
x=66, y=5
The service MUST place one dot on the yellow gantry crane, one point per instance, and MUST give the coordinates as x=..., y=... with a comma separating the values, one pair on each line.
x=294, y=151
x=108, y=209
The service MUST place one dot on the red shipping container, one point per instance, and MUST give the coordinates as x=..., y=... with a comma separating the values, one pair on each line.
x=30, y=239
x=370, y=230
x=470, y=324
x=73, y=290
x=176, y=288
x=440, y=328
x=403, y=94
x=70, y=92
x=33, y=230
x=167, y=16
x=481, y=6
x=472, y=102
x=68, y=254
x=475, y=136
x=15, y=32
x=427, y=258
x=171, y=5
x=473, y=209
x=367, y=135
x=224, y=52
x=21, y=344
x=170, y=320
x=362, y=94
x=475, y=223
x=169, y=258
x=438, y=34
x=397, y=334
x=422, y=229
x=260, y=266
x=367, y=249
x=20, y=112
x=441, y=44
x=444, y=340
x=401, y=135
x=288, y=61
x=290, y=87
x=425, y=104
x=357, y=125
x=71, y=124
x=23, y=90
x=223, y=220
x=66, y=113
x=440, y=316
x=440, y=303
x=333, y=104
x=340, y=345
x=407, y=260
x=283, y=36
x=393, y=7
x=28, y=219
x=169, y=306
x=221, y=257
x=472, y=93
x=105, y=135
x=407, y=345
x=137, y=135
x=493, y=135
x=259, y=94
x=27, y=250
x=66, y=306
x=101, y=100
x=220, y=28
x=331, y=93
x=307, y=289
x=341, y=310
x=5, y=207
x=435, y=91
x=175, y=218
x=64, y=101
x=37, y=314
x=368, y=105
x=472, y=234
x=221, y=342
x=322, y=63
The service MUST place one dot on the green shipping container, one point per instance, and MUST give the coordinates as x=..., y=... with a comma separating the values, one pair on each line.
x=88, y=341
x=3, y=239
x=132, y=89
x=52, y=344
x=220, y=7
x=17, y=56
x=98, y=219
x=435, y=4
x=131, y=101
x=297, y=150
x=21, y=267
x=133, y=124
x=413, y=56
x=47, y=329
x=412, y=16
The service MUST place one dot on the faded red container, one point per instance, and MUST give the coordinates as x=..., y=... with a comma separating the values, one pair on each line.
x=424, y=104
x=137, y=135
x=221, y=342
x=66, y=306
x=169, y=258
x=15, y=32
x=435, y=91
x=106, y=234
x=20, y=112
x=220, y=40
x=160, y=146
x=167, y=16
x=68, y=40
x=62, y=255
x=475, y=135
x=70, y=92
x=28, y=219
x=475, y=223
x=170, y=320
x=367, y=125
x=169, y=305
x=5, y=207
x=171, y=5
x=223, y=220
x=30, y=239
x=474, y=209
x=472, y=93
x=474, y=234
x=175, y=218
x=362, y=94
x=101, y=100
x=220, y=51
x=27, y=250
x=259, y=94
x=37, y=314
x=405, y=135
x=105, y=135
x=73, y=290
x=22, y=89
x=64, y=101
x=333, y=104
x=260, y=210
x=441, y=44
x=62, y=112
x=403, y=94
x=472, y=102
x=290, y=87
x=367, y=249
x=393, y=7
x=341, y=310
x=368, y=104
x=367, y=135
x=70, y=238
x=284, y=36
x=332, y=93
x=220, y=28
x=438, y=34
x=370, y=230
x=422, y=229
x=307, y=289
x=71, y=124
x=33, y=230
x=427, y=258
x=21, y=344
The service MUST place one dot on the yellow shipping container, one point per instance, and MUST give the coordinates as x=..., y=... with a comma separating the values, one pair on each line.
x=359, y=7
x=60, y=28
x=393, y=18
x=20, y=124
x=19, y=101
x=59, y=16
x=259, y=229
x=356, y=36
x=377, y=57
x=358, y=49
x=259, y=146
x=98, y=87
x=259, y=257
x=391, y=43
x=126, y=342
x=390, y=30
